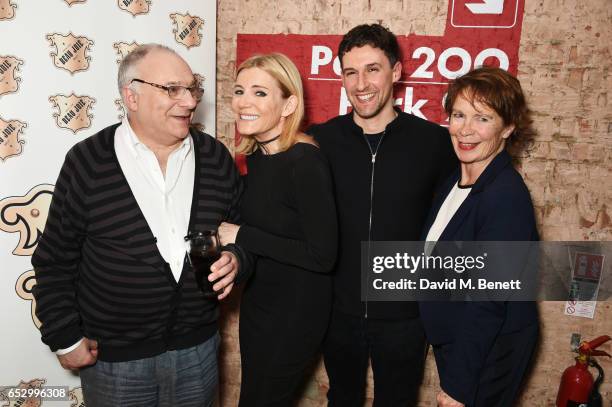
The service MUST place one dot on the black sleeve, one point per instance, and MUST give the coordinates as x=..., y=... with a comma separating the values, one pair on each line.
x=246, y=260
x=317, y=213
x=56, y=260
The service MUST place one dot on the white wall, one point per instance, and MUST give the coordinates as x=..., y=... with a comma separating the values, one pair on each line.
x=33, y=165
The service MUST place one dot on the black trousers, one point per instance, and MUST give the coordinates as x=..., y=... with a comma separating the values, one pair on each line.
x=396, y=348
x=506, y=365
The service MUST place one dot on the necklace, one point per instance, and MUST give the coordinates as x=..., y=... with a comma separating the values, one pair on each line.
x=262, y=144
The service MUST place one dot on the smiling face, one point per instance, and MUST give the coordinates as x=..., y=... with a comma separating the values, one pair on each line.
x=153, y=115
x=478, y=134
x=258, y=104
x=368, y=78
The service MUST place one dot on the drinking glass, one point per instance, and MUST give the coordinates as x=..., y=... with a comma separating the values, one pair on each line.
x=204, y=250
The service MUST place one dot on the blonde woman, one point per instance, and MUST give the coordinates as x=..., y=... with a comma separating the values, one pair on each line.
x=290, y=225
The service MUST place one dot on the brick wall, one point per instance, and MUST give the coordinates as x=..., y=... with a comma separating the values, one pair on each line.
x=565, y=69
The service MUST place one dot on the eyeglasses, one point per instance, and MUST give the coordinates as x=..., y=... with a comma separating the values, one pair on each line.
x=177, y=91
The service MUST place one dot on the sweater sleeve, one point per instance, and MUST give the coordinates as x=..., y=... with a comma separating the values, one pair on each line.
x=246, y=260
x=57, y=257
x=316, y=251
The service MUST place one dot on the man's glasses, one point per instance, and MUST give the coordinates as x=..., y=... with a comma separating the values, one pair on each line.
x=177, y=91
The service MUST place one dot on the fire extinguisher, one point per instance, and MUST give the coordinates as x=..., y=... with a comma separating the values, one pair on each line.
x=577, y=388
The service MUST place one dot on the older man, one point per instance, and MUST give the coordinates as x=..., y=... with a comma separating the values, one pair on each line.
x=115, y=293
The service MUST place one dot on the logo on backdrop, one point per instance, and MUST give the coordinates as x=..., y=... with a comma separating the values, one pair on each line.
x=29, y=401
x=124, y=48
x=134, y=7
x=71, y=2
x=199, y=79
x=70, y=51
x=73, y=111
x=10, y=143
x=9, y=66
x=24, y=285
x=187, y=29
x=26, y=215
x=200, y=82
x=121, y=108
x=76, y=397
x=477, y=33
x=7, y=10
x=484, y=14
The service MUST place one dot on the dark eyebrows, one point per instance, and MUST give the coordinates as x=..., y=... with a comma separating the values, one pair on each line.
x=237, y=85
x=368, y=66
x=256, y=87
x=194, y=82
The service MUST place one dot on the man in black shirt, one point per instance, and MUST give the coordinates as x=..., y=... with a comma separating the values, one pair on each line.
x=386, y=165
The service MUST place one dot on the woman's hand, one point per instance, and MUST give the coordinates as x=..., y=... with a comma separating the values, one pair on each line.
x=444, y=400
x=227, y=233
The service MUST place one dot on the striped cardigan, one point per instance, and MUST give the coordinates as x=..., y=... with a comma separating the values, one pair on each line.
x=99, y=273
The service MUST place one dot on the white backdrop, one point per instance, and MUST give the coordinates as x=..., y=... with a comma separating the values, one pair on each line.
x=58, y=69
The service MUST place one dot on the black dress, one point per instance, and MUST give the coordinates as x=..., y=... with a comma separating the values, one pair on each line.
x=290, y=224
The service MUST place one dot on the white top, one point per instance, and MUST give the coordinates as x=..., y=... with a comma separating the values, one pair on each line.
x=164, y=201
x=453, y=201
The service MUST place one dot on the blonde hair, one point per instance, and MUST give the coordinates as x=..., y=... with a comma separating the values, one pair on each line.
x=287, y=76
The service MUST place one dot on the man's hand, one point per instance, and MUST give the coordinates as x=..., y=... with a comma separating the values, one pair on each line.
x=84, y=355
x=444, y=400
x=225, y=270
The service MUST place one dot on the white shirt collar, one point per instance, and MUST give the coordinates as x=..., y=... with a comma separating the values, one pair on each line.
x=134, y=144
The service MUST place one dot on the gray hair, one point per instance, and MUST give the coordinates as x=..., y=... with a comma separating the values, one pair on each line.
x=127, y=67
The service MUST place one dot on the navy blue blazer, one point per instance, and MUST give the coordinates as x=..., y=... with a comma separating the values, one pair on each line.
x=498, y=208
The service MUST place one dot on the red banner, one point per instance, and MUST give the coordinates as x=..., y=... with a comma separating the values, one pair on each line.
x=477, y=32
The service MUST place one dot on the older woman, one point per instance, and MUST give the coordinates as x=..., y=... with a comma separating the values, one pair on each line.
x=290, y=224
x=482, y=349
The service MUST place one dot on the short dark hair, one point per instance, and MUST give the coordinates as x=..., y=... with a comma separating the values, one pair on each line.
x=374, y=35
x=500, y=91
